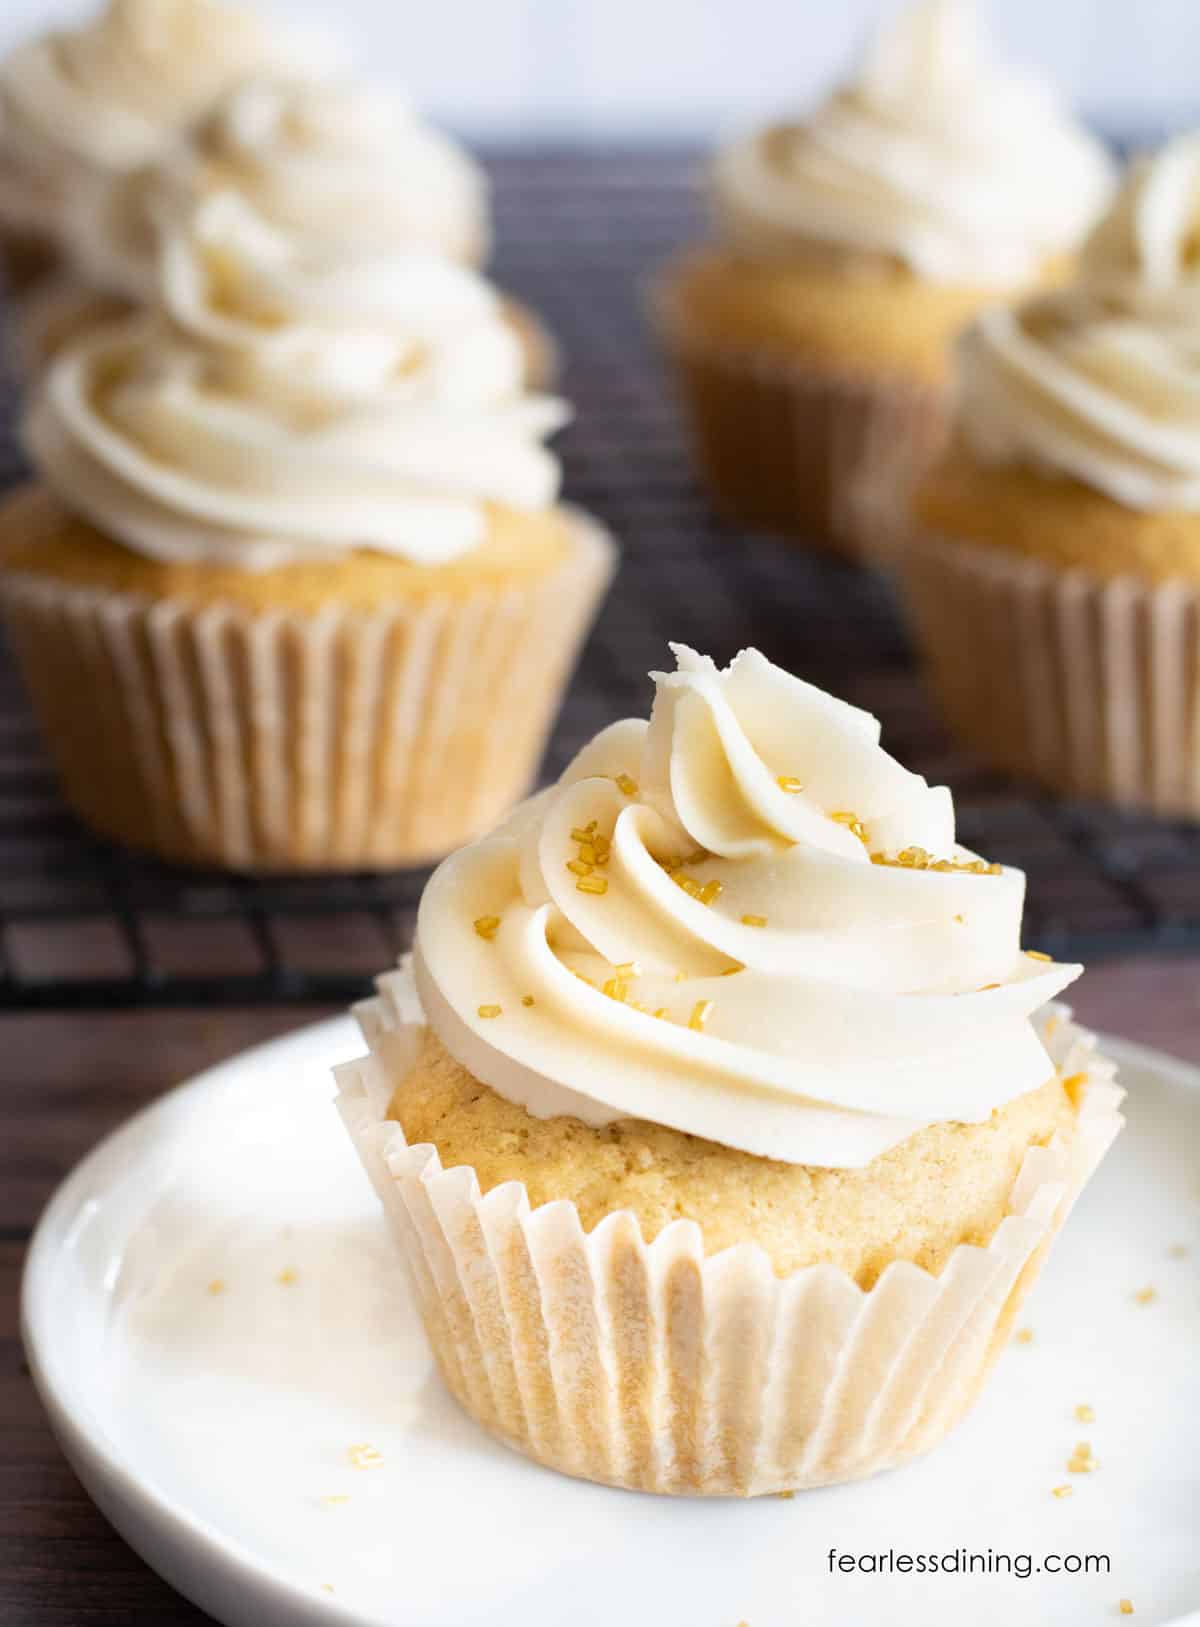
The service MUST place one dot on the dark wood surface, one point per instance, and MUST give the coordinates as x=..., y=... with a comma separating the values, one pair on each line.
x=68, y=1079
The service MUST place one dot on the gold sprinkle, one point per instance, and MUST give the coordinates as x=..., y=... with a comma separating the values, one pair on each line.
x=217, y=1285
x=1024, y=1336
x=687, y=884
x=327, y=1587
x=785, y=1496
x=1126, y=1607
x=681, y=977
x=364, y=1456
x=527, y=999
x=986, y=988
x=701, y=1012
x=731, y=971
x=1062, y=1491
x=627, y=785
x=1073, y=1085
x=1178, y=1251
x=616, y=988
x=789, y=783
x=335, y=1499
x=1081, y=1460
x=916, y=858
x=585, y=835
x=578, y=867
x=587, y=853
x=1085, y=1413
x=629, y=968
x=1146, y=1296
x=711, y=891
x=592, y=884
x=853, y=824
x=1036, y=954
x=754, y=920
x=486, y=926
x=489, y=1011
x=662, y=1012
x=287, y=1276
x=960, y=920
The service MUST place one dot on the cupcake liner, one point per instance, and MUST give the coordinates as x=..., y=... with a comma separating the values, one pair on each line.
x=277, y=741
x=654, y=1367
x=782, y=443
x=1090, y=686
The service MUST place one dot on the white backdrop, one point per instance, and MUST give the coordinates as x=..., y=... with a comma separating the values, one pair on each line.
x=582, y=69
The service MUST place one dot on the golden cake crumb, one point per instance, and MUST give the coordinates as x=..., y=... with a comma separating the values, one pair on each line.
x=1024, y=1336
x=364, y=1456
x=1085, y=1414
x=1061, y=1491
x=1146, y=1296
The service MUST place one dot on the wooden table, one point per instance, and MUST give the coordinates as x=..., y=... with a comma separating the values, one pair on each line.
x=68, y=1079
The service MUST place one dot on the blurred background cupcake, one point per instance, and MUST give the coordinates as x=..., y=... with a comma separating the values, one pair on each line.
x=1054, y=569
x=850, y=249
x=296, y=591
x=78, y=105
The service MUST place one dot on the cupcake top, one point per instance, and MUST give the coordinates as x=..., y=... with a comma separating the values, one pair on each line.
x=288, y=403
x=743, y=920
x=1101, y=381
x=962, y=171
x=109, y=94
x=335, y=165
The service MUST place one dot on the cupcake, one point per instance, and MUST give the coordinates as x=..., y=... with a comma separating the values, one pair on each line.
x=1052, y=552
x=79, y=104
x=337, y=166
x=721, y=1119
x=850, y=250
x=295, y=591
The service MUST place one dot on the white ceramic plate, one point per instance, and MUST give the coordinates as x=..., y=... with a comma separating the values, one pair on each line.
x=214, y=1317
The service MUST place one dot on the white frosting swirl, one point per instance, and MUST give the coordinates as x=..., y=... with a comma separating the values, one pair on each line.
x=1101, y=381
x=294, y=403
x=112, y=93
x=818, y=1008
x=966, y=172
x=335, y=166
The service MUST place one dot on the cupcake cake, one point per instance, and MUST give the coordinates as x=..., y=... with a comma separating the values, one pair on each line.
x=720, y=1117
x=80, y=104
x=294, y=590
x=850, y=249
x=1053, y=564
x=337, y=167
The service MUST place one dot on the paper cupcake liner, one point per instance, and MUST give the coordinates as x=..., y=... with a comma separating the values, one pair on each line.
x=276, y=741
x=1090, y=686
x=782, y=444
x=659, y=1369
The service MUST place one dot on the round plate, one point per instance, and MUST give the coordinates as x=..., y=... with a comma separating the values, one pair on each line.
x=226, y=1348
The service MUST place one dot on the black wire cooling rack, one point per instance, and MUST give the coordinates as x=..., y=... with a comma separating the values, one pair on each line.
x=83, y=924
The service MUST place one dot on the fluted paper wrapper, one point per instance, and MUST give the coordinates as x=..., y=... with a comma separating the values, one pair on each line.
x=659, y=1369
x=1090, y=686
x=278, y=741
x=782, y=444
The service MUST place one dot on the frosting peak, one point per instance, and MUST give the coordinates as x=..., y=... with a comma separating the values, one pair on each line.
x=965, y=172
x=744, y=920
x=292, y=401
x=1101, y=381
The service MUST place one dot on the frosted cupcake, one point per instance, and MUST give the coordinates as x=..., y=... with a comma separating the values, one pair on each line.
x=79, y=104
x=1055, y=569
x=337, y=167
x=719, y=1114
x=851, y=248
x=295, y=591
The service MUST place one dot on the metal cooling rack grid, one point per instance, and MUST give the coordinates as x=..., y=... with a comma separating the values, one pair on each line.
x=83, y=924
